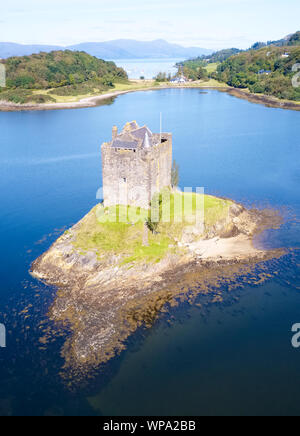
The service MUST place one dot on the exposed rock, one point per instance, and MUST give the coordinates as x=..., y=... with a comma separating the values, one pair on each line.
x=103, y=300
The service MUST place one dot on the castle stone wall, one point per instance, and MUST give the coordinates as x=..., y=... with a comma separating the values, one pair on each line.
x=132, y=177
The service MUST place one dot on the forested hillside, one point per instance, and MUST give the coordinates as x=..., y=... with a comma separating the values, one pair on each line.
x=288, y=41
x=264, y=71
x=266, y=68
x=62, y=72
x=198, y=68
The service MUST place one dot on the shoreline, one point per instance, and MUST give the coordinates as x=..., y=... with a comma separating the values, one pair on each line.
x=83, y=103
x=266, y=100
x=94, y=101
x=103, y=300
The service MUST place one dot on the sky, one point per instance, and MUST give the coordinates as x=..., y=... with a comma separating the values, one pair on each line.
x=212, y=24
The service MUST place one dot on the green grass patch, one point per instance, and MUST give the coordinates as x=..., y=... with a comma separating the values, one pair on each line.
x=22, y=96
x=119, y=238
x=71, y=94
x=211, y=68
x=158, y=247
x=120, y=230
x=184, y=208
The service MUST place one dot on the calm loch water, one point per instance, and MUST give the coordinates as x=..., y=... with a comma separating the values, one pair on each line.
x=232, y=358
x=147, y=68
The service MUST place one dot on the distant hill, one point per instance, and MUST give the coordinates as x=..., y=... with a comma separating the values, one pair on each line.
x=131, y=49
x=67, y=72
x=265, y=71
x=216, y=57
x=287, y=41
x=223, y=55
x=118, y=49
x=265, y=68
x=9, y=49
x=198, y=68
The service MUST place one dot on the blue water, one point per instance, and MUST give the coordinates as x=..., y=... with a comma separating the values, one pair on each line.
x=232, y=358
x=147, y=68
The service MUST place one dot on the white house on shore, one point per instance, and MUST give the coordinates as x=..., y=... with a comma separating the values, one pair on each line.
x=179, y=80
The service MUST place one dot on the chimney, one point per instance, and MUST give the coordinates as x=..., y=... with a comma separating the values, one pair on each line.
x=114, y=132
x=146, y=142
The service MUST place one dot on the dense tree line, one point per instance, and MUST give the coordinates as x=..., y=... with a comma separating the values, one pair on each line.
x=265, y=68
x=194, y=72
x=202, y=61
x=58, y=69
x=162, y=77
x=195, y=69
x=266, y=71
x=290, y=40
x=294, y=39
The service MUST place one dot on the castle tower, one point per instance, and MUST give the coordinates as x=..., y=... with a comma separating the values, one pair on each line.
x=136, y=164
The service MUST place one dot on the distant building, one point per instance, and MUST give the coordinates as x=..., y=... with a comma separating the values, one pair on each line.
x=179, y=80
x=135, y=165
x=266, y=72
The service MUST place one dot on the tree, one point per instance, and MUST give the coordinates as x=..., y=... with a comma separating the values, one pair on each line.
x=155, y=213
x=60, y=68
x=161, y=77
x=201, y=73
x=175, y=174
x=263, y=71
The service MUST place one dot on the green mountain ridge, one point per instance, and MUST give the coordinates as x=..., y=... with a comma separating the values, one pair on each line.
x=116, y=49
x=68, y=72
x=268, y=71
x=222, y=55
x=290, y=40
x=265, y=68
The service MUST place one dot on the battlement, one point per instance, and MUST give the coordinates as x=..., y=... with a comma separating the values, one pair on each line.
x=136, y=164
x=133, y=137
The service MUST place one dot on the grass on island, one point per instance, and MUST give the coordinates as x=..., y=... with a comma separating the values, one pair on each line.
x=101, y=233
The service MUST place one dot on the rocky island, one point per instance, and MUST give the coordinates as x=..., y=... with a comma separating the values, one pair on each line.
x=124, y=263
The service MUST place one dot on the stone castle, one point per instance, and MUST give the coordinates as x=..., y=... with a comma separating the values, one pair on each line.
x=136, y=164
